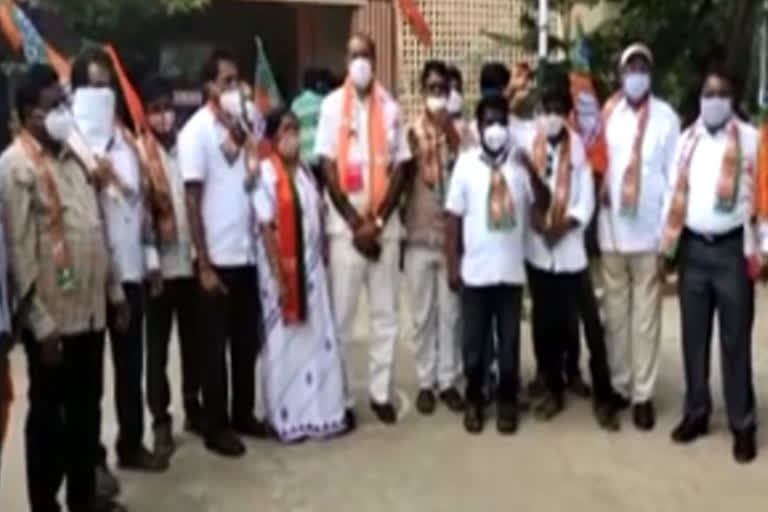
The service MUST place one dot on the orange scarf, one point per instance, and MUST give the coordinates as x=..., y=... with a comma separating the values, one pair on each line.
x=501, y=205
x=761, y=181
x=378, y=157
x=158, y=187
x=727, y=187
x=630, y=185
x=559, y=206
x=290, y=242
x=62, y=259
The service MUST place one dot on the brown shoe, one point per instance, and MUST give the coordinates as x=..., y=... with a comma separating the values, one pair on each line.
x=143, y=460
x=165, y=445
x=474, y=419
x=425, y=402
x=550, y=406
x=645, y=416
x=453, y=400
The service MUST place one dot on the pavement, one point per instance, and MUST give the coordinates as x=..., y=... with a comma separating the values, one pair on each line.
x=428, y=464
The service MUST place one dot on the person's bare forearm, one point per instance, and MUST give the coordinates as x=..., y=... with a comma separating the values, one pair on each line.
x=542, y=197
x=194, y=196
x=401, y=176
x=338, y=197
x=452, y=235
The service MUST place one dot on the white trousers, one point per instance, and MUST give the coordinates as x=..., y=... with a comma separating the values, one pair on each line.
x=436, y=317
x=632, y=303
x=351, y=273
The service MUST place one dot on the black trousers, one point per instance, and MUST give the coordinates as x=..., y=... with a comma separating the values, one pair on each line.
x=231, y=320
x=63, y=421
x=480, y=307
x=128, y=365
x=713, y=278
x=554, y=297
x=588, y=312
x=180, y=299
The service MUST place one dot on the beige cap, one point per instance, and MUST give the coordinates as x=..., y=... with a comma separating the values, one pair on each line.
x=633, y=50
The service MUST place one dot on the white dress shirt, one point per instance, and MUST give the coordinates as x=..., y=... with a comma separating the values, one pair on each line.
x=225, y=209
x=326, y=144
x=490, y=257
x=124, y=211
x=5, y=292
x=704, y=172
x=175, y=259
x=640, y=232
x=569, y=254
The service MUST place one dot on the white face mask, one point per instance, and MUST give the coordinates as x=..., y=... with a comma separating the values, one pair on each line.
x=231, y=102
x=436, y=104
x=495, y=138
x=361, y=72
x=94, y=111
x=553, y=124
x=716, y=111
x=59, y=124
x=455, y=102
x=636, y=85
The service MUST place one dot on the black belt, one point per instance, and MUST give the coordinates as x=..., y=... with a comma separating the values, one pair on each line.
x=715, y=238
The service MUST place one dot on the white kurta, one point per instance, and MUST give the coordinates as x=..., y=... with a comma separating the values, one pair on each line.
x=301, y=364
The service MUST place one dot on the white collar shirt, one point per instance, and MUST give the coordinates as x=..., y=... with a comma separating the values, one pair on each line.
x=124, y=211
x=569, y=254
x=640, y=232
x=490, y=257
x=326, y=144
x=225, y=208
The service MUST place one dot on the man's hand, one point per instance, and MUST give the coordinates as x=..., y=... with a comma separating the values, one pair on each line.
x=122, y=315
x=367, y=230
x=454, y=278
x=210, y=281
x=370, y=248
x=51, y=350
x=521, y=157
x=155, y=283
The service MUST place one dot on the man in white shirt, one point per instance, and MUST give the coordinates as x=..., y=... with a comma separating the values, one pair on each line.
x=219, y=169
x=556, y=254
x=641, y=133
x=123, y=206
x=362, y=144
x=488, y=201
x=176, y=295
x=710, y=232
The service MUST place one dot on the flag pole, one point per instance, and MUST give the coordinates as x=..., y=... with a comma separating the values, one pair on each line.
x=543, y=29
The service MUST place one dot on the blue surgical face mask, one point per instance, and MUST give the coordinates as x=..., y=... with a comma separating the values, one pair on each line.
x=636, y=84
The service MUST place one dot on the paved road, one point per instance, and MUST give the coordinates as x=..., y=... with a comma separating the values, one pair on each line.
x=430, y=465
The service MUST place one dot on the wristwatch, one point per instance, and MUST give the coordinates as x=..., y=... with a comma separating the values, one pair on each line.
x=379, y=222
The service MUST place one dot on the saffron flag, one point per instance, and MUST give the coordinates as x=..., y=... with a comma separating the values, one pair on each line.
x=132, y=100
x=761, y=190
x=586, y=116
x=23, y=36
x=266, y=93
x=415, y=19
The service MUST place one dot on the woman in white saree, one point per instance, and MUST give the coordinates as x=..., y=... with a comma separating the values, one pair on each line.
x=301, y=361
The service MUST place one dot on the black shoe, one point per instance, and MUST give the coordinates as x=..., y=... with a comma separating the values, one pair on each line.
x=251, y=427
x=507, y=419
x=607, y=416
x=142, y=460
x=350, y=420
x=386, y=412
x=689, y=430
x=619, y=401
x=550, y=406
x=538, y=386
x=165, y=445
x=474, y=419
x=644, y=416
x=453, y=400
x=101, y=504
x=425, y=402
x=107, y=486
x=225, y=443
x=744, y=447
x=578, y=387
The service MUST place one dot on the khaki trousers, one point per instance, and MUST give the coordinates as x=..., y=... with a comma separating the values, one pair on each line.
x=632, y=304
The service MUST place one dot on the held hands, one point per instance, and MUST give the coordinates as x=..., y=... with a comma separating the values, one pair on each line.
x=454, y=278
x=365, y=239
x=122, y=315
x=155, y=283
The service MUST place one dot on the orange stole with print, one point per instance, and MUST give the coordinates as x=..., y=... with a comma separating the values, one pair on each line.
x=559, y=206
x=378, y=157
x=290, y=242
x=501, y=206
